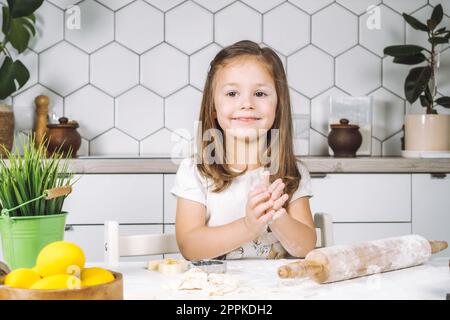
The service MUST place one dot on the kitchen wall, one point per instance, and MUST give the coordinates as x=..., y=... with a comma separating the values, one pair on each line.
x=132, y=72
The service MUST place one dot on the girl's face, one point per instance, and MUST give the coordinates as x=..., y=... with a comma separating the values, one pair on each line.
x=245, y=98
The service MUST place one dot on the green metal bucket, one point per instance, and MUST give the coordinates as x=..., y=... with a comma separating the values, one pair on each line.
x=24, y=237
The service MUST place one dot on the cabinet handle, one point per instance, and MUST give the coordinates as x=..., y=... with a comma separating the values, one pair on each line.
x=318, y=175
x=438, y=175
x=68, y=228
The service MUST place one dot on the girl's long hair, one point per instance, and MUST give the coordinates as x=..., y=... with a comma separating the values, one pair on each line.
x=219, y=171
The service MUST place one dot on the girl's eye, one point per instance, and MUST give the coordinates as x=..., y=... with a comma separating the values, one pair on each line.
x=231, y=94
x=263, y=94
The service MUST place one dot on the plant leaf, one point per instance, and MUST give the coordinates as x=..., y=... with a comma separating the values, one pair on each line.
x=416, y=82
x=413, y=22
x=436, y=16
x=424, y=101
x=443, y=101
x=438, y=40
x=22, y=8
x=441, y=30
x=410, y=60
x=10, y=73
x=21, y=31
x=403, y=50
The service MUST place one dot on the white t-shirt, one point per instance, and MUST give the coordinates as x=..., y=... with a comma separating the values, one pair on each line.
x=229, y=205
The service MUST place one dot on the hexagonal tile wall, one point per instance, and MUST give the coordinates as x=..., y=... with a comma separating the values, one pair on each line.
x=157, y=52
x=164, y=143
x=64, y=4
x=237, y=22
x=290, y=35
x=358, y=78
x=388, y=111
x=334, y=29
x=114, y=69
x=213, y=5
x=320, y=109
x=443, y=81
x=359, y=6
x=310, y=71
x=25, y=107
x=391, y=31
x=114, y=143
x=96, y=28
x=199, y=65
x=164, y=69
x=311, y=6
x=185, y=20
x=49, y=19
x=133, y=23
x=164, y=5
x=407, y=6
x=115, y=4
x=263, y=6
x=84, y=103
x=182, y=111
x=139, y=112
x=61, y=75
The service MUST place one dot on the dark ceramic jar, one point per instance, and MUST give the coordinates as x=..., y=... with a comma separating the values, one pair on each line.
x=344, y=139
x=63, y=137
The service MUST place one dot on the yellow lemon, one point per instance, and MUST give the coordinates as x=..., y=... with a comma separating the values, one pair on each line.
x=22, y=278
x=95, y=276
x=59, y=281
x=60, y=257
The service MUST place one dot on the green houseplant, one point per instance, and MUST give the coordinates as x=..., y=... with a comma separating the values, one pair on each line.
x=31, y=218
x=18, y=27
x=430, y=131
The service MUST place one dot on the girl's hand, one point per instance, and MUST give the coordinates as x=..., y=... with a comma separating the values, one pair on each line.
x=257, y=217
x=277, y=195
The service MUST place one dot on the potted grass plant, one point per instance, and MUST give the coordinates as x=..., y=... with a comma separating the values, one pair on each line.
x=429, y=132
x=33, y=188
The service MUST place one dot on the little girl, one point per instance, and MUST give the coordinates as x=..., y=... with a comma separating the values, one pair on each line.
x=228, y=209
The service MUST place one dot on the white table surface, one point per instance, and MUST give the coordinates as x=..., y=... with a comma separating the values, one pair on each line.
x=257, y=279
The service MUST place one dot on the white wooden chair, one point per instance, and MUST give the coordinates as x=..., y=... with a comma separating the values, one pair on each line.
x=116, y=246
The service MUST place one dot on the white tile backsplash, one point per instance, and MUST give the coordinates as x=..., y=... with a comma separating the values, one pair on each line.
x=135, y=70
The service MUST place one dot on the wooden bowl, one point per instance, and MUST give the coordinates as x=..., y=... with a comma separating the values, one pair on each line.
x=108, y=291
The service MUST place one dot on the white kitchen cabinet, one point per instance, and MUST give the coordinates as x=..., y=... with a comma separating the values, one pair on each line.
x=363, y=197
x=170, y=201
x=431, y=207
x=126, y=198
x=90, y=239
x=347, y=233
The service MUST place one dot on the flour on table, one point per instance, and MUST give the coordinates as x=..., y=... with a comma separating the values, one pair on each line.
x=216, y=284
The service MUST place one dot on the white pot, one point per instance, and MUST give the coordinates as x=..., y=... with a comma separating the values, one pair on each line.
x=427, y=132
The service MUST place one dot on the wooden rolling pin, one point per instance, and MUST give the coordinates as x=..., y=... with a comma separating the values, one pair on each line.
x=343, y=262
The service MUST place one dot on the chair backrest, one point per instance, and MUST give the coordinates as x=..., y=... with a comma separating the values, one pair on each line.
x=116, y=246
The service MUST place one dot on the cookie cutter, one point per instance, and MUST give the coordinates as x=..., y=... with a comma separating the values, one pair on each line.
x=210, y=265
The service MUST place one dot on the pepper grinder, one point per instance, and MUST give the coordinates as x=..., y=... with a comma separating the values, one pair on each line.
x=41, y=118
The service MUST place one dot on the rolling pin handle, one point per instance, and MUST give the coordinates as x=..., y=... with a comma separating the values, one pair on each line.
x=437, y=246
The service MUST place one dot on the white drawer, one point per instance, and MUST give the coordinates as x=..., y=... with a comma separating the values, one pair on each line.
x=363, y=197
x=431, y=208
x=126, y=198
x=90, y=239
x=170, y=201
x=347, y=233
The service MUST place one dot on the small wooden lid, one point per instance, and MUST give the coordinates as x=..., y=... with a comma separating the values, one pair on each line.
x=343, y=124
x=63, y=123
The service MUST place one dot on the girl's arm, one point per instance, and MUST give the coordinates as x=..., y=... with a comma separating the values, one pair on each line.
x=197, y=241
x=295, y=230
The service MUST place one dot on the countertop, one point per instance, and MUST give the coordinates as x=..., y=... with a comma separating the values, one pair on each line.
x=319, y=165
x=257, y=279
